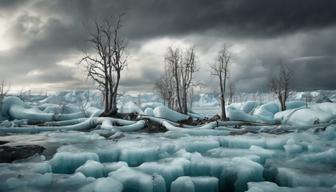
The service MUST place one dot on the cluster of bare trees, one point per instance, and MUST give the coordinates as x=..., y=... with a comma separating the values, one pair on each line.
x=105, y=66
x=175, y=84
x=176, y=81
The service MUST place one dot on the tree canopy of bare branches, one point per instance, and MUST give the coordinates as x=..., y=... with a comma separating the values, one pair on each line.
x=280, y=85
x=174, y=84
x=105, y=65
x=220, y=69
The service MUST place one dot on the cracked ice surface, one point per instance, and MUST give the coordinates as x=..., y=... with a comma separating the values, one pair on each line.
x=85, y=161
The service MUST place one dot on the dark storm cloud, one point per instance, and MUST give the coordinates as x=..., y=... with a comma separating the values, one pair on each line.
x=148, y=18
x=146, y=78
x=11, y=4
x=310, y=58
x=50, y=31
x=308, y=74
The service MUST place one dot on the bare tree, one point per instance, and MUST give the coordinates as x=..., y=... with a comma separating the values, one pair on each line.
x=280, y=85
x=232, y=91
x=220, y=69
x=105, y=66
x=173, y=60
x=165, y=87
x=4, y=89
x=180, y=65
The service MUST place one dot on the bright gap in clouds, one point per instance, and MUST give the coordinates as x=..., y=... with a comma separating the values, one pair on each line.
x=5, y=43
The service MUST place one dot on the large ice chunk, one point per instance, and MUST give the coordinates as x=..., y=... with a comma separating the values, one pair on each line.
x=315, y=114
x=130, y=107
x=66, y=162
x=136, y=181
x=107, y=185
x=92, y=169
x=235, y=114
x=165, y=113
x=195, y=184
x=169, y=169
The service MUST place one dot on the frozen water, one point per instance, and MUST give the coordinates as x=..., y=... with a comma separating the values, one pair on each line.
x=235, y=114
x=107, y=185
x=315, y=114
x=149, y=112
x=130, y=107
x=134, y=180
x=165, y=113
x=66, y=162
x=195, y=184
x=117, y=155
x=272, y=187
x=92, y=169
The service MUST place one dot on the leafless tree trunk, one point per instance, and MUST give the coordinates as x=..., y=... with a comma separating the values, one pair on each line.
x=280, y=85
x=187, y=70
x=165, y=87
x=180, y=66
x=105, y=66
x=4, y=89
x=191, y=95
x=221, y=69
x=232, y=91
x=173, y=61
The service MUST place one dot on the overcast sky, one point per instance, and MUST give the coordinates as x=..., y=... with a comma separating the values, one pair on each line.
x=41, y=41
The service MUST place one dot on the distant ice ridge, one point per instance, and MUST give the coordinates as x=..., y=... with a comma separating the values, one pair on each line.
x=205, y=100
x=144, y=100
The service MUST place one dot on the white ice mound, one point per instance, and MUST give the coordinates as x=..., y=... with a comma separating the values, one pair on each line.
x=92, y=169
x=195, y=184
x=107, y=184
x=314, y=114
x=149, y=112
x=250, y=106
x=252, y=111
x=266, y=111
x=165, y=113
x=15, y=108
x=235, y=114
x=130, y=107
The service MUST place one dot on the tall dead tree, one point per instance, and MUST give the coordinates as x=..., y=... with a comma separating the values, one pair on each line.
x=220, y=69
x=4, y=89
x=232, y=91
x=280, y=85
x=187, y=69
x=165, y=87
x=176, y=81
x=104, y=66
x=173, y=60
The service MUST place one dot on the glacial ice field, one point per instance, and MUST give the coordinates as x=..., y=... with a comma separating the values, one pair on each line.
x=55, y=143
